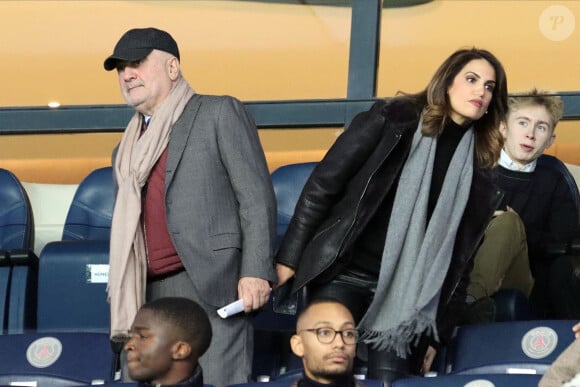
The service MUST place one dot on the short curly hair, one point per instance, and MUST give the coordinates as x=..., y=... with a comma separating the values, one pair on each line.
x=189, y=318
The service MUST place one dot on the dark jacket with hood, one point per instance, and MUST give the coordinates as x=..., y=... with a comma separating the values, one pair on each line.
x=348, y=185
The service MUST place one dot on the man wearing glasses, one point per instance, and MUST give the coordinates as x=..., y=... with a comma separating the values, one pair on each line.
x=326, y=339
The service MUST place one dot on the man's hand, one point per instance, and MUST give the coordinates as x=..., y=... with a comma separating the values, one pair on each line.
x=254, y=291
x=576, y=330
x=284, y=274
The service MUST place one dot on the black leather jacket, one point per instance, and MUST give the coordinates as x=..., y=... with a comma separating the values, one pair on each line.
x=348, y=185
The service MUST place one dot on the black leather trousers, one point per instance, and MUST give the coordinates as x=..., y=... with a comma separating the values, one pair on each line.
x=356, y=290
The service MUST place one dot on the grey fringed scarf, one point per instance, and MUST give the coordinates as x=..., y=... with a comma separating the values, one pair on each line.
x=415, y=257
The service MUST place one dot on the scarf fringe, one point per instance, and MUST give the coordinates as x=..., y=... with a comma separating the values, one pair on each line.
x=401, y=338
x=417, y=254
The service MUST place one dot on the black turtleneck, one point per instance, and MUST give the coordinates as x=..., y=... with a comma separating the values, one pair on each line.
x=343, y=381
x=368, y=250
x=446, y=145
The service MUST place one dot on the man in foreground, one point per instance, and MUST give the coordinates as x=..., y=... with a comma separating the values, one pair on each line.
x=325, y=340
x=168, y=336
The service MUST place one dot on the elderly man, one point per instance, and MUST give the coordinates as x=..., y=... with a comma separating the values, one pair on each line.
x=195, y=208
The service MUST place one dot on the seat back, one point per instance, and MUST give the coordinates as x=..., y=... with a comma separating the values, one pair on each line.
x=21, y=315
x=508, y=347
x=511, y=305
x=58, y=359
x=288, y=182
x=72, y=282
x=18, y=268
x=557, y=165
x=73, y=273
x=16, y=219
x=486, y=380
x=91, y=210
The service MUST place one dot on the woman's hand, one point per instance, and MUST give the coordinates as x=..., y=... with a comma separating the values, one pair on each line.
x=284, y=274
x=428, y=360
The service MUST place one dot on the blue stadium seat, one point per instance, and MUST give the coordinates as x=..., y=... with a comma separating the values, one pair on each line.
x=73, y=273
x=58, y=359
x=555, y=164
x=23, y=286
x=72, y=282
x=554, y=250
x=288, y=182
x=16, y=219
x=508, y=347
x=91, y=210
x=17, y=279
x=485, y=380
x=511, y=305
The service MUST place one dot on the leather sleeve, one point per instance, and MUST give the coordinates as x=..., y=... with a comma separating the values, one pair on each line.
x=329, y=179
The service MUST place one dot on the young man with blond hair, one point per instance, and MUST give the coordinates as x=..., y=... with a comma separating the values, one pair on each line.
x=538, y=208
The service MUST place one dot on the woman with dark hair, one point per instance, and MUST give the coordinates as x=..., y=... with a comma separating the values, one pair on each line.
x=389, y=220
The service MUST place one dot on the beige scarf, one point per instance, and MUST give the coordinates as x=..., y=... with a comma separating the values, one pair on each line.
x=135, y=158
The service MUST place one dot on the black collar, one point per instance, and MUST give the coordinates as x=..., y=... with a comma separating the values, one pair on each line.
x=344, y=381
x=195, y=380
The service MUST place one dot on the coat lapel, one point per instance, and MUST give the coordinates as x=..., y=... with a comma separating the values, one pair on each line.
x=179, y=137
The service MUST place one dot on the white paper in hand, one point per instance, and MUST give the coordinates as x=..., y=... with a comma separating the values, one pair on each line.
x=231, y=309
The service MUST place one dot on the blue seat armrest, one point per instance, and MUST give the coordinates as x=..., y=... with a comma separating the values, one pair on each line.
x=21, y=257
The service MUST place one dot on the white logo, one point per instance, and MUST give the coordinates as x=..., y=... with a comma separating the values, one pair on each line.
x=557, y=23
x=539, y=342
x=480, y=383
x=43, y=352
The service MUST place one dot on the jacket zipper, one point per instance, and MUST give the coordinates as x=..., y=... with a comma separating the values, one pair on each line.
x=398, y=138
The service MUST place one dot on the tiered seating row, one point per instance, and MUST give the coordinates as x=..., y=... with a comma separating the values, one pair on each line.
x=62, y=295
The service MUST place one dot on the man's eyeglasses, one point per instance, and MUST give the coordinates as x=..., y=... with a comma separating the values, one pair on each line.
x=327, y=335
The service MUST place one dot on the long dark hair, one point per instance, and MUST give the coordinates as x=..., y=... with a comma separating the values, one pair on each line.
x=488, y=139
